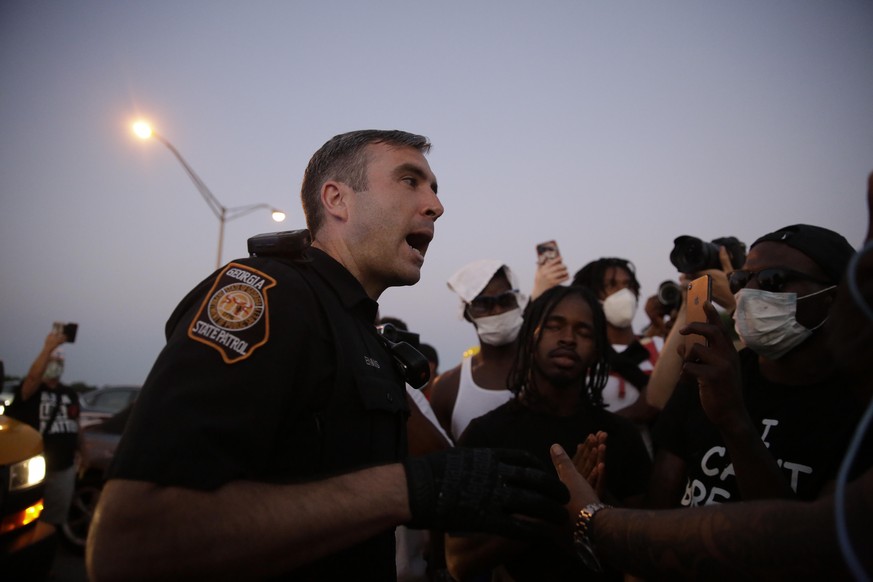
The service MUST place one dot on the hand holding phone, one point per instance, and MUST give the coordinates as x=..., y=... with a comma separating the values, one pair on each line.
x=68, y=329
x=699, y=292
x=551, y=270
x=547, y=251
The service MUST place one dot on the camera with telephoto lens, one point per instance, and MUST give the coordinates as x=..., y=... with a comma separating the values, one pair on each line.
x=670, y=295
x=692, y=255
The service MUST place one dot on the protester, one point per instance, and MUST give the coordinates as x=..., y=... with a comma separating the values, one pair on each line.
x=774, y=539
x=491, y=301
x=773, y=420
x=52, y=408
x=269, y=438
x=558, y=375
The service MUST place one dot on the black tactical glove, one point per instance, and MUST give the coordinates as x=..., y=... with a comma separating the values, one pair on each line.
x=507, y=492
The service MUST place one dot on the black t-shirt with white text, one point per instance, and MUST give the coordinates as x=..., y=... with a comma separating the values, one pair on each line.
x=60, y=440
x=806, y=428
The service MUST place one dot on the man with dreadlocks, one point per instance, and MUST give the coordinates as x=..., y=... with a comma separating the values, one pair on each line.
x=557, y=379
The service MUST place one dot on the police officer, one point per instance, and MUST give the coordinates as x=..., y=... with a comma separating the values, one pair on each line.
x=269, y=438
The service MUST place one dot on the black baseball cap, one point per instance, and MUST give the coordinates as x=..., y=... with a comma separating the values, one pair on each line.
x=829, y=250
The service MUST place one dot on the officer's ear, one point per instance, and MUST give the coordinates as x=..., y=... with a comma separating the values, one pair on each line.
x=334, y=198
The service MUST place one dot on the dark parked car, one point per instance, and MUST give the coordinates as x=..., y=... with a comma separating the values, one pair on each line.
x=98, y=445
x=98, y=405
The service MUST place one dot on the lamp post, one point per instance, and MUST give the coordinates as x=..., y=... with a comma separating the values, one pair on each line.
x=223, y=213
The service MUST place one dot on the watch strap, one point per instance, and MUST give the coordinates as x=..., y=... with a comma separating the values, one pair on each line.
x=582, y=535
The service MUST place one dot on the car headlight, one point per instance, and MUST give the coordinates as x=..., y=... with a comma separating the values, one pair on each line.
x=27, y=473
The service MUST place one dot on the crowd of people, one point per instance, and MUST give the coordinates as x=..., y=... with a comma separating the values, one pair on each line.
x=565, y=446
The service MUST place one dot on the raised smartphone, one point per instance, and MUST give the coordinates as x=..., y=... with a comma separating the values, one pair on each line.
x=68, y=329
x=546, y=251
x=699, y=292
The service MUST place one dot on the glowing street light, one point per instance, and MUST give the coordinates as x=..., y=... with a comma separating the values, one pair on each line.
x=144, y=131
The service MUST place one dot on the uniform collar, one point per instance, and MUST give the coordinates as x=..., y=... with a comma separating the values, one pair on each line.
x=349, y=290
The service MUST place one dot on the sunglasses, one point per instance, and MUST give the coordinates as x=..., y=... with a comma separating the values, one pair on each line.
x=485, y=304
x=773, y=280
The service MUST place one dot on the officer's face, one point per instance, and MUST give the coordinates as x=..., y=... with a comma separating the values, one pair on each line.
x=391, y=224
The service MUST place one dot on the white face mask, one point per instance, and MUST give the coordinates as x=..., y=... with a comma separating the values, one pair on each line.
x=499, y=330
x=766, y=321
x=620, y=307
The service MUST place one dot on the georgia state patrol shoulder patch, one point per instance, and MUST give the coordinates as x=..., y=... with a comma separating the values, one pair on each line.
x=234, y=317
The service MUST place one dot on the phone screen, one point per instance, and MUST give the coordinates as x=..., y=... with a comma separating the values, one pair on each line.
x=699, y=292
x=546, y=251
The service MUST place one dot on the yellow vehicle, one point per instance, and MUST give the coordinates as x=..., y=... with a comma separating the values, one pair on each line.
x=27, y=545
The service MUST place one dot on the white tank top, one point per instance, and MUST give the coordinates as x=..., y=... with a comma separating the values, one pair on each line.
x=473, y=401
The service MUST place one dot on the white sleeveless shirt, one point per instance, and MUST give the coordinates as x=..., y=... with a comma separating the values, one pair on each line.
x=473, y=401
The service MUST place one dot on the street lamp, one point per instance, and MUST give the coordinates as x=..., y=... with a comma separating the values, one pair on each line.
x=223, y=213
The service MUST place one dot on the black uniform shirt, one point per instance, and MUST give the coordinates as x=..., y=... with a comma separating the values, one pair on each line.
x=250, y=387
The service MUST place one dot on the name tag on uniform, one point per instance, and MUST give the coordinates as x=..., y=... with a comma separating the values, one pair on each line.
x=234, y=317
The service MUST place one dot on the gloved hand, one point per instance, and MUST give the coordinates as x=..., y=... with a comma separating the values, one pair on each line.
x=501, y=491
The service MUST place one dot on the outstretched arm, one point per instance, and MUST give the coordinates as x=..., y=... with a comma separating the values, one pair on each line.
x=34, y=375
x=767, y=540
x=242, y=530
x=663, y=380
x=249, y=529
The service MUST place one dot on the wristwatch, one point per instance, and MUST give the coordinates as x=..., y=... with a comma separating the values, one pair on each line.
x=582, y=536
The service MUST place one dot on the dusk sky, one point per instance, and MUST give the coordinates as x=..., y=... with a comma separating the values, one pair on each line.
x=610, y=126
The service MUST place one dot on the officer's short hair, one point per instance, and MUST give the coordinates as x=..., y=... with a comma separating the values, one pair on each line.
x=343, y=158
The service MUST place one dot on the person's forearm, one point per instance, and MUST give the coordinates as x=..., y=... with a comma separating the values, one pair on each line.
x=668, y=367
x=34, y=375
x=765, y=540
x=242, y=530
x=759, y=540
